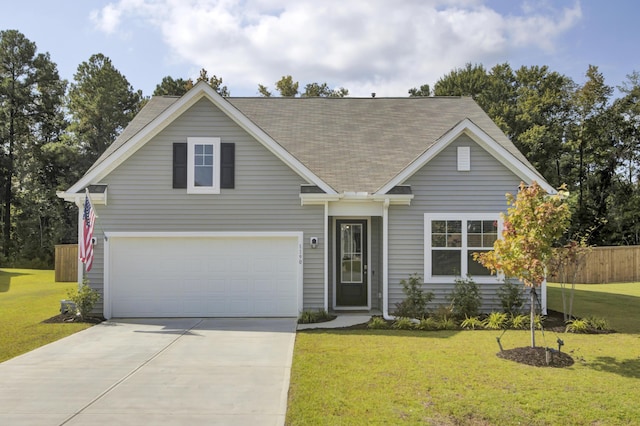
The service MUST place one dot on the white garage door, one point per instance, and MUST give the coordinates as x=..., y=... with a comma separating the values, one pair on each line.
x=204, y=276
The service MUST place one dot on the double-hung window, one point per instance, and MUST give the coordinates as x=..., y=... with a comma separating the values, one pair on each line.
x=452, y=239
x=203, y=165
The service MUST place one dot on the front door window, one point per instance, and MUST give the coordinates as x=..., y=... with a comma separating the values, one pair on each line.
x=351, y=240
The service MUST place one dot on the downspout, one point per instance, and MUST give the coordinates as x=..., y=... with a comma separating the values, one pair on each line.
x=385, y=261
x=326, y=256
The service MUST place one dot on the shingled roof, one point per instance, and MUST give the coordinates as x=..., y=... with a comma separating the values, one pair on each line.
x=352, y=144
x=359, y=144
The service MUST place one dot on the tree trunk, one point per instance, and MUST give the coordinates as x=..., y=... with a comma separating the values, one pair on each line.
x=563, y=284
x=6, y=220
x=533, y=317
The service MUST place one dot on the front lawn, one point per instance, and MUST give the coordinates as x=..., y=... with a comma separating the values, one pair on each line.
x=353, y=377
x=28, y=297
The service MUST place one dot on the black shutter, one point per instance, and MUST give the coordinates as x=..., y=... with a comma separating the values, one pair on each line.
x=227, y=165
x=180, y=165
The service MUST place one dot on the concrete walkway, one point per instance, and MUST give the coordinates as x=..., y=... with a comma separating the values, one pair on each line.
x=343, y=320
x=157, y=372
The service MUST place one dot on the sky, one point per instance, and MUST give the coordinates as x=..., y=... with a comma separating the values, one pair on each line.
x=365, y=46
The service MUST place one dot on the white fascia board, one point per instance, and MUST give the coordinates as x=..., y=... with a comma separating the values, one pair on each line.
x=469, y=128
x=317, y=199
x=393, y=199
x=78, y=197
x=200, y=90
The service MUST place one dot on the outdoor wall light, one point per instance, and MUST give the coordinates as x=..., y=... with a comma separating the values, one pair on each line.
x=314, y=242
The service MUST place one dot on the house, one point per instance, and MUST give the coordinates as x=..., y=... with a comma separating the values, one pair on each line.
x=212, y=206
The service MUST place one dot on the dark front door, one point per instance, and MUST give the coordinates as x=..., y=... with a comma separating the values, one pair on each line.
x=351, y=263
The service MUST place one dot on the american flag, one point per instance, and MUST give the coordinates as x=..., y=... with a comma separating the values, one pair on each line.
x=86, y=248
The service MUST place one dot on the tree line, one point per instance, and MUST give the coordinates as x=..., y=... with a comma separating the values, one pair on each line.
x=52, y=130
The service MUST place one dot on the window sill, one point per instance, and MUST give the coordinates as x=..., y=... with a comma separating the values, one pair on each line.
x=203, y=191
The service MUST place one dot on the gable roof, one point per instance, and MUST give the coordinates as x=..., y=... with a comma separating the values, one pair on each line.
x=157, y=115
x=361, y=144
x=339, y=144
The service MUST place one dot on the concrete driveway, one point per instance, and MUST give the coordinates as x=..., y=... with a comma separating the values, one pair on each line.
x=154, y=371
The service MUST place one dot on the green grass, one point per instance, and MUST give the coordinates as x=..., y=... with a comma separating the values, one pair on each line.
x=27, y=297
x=353, y=377
x=618, y=303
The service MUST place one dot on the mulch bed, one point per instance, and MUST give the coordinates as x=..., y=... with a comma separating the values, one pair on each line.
x=537, y=357
x=62, y=318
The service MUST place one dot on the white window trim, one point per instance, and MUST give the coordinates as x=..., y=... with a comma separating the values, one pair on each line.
x=428, y=217
x=191, y=143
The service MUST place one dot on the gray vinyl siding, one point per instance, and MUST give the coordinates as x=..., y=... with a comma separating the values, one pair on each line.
x=439, y=187
x=265, y=198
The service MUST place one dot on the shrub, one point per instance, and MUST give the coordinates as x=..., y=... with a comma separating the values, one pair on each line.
x=471, y=323
x=596, y=323
x=447, y=324
x=520, y=322
x=428, y=324
x=578, y=326
x=310, y=317
x=415, y=303
x=443, y=312
x=306, y=317
x=587, y=325
x=403, y=323
x=511, y=298
x=496, y=321
x=378, y=323
x=85, y=298
x=465, y=298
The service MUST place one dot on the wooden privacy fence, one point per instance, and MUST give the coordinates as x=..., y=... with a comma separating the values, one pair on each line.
x=605, y=265
x=66, y=262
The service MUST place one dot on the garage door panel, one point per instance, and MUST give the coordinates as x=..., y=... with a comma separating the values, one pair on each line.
x=264, y=288
x=216, y=276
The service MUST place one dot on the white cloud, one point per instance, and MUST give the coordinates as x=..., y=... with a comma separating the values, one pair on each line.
x=366, y=46
x=107, y=19
x=539, y=30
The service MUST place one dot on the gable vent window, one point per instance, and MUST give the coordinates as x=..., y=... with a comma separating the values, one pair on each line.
x=464, y=158
x=203, y=165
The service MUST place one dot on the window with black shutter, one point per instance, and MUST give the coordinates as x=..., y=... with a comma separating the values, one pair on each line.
x=196, y=164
